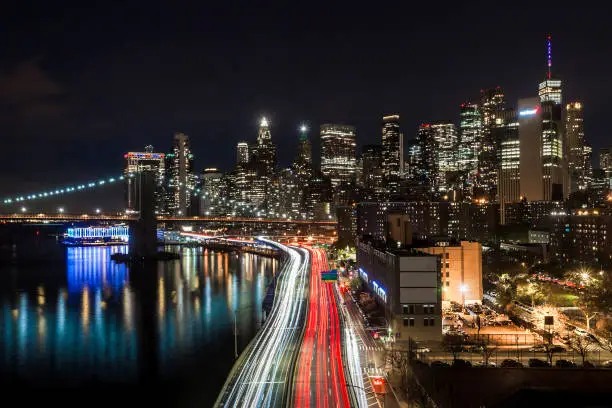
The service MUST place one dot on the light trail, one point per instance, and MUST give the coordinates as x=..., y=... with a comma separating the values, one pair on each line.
x=262, y=377
x=320, y=378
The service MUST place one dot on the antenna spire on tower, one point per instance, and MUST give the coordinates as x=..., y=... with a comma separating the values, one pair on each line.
x=548, y=47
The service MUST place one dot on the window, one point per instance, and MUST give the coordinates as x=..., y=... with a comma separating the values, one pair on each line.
x=405, y=309
x=426, y=321
x=447, y=283
x=447, y=255
x=432, y=322
x=411, y=309
x=447, y=274
x=405, y=321
x=411, y=322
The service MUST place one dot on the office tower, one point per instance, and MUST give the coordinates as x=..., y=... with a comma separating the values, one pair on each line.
x=263, y=163
x=411, y=167
x=530, y=149
x=338, y=150
x=392, y=152
x=542, y=152
x=555, y=176
x=470, y=127
x=492, y=105
x=135, y=163
x=605, y=164
x=302, y=165
x=438, y=158
x=264, y=152
x=318, y=199
x=507, y=131
x=372, y=172
x=578, y=151
x=211, y=203
x=180, y=178
x=242, y=153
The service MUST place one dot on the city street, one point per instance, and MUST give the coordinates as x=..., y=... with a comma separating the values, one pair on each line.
x=262, y=375
x=320, y=374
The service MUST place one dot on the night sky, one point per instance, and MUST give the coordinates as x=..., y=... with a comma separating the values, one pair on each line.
x=80, y=84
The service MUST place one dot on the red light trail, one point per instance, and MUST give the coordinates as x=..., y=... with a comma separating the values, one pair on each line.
x=320, y=376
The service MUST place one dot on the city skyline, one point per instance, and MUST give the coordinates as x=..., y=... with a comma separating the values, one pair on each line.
x=95, y=97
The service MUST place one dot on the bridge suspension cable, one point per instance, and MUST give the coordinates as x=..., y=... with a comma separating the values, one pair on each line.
x=60, y=191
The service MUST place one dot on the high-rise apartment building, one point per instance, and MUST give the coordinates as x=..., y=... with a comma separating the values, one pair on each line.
x=135, y=163
x=578, y=150
x=338, y=153
x=531, y=166
x=492, y=105
x=180, y=178
x=392, y=152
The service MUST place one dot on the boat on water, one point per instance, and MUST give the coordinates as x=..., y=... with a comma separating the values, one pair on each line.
x=96, y=236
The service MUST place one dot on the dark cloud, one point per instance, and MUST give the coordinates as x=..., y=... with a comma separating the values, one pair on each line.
x=27, y=91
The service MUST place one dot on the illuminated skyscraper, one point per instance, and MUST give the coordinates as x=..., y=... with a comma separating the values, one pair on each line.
x=578, y=151
x=372, y=172
x=492, y=105
x=437, y=146
x=506, y=129
x=338, y=153
x=180, y=178
x=135, y=163
x=210, y=196
x=605, y=164
x=470, y=127
x=303, y=162
x=242, y=153
x=263, y=161
x=392, y=152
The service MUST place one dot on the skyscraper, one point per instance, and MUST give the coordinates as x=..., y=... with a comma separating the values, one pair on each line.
x=338, y=153
x=437, y=146
x=555, y=176
x=303, y=162
x=470, y=127
x=578, y=151
x=263, y=162
x=372, y=171
x=506, y=130
x=492, y=105
x=135, y=163
x=531, y=167
x=180, y=178
x=392, y=152
x=605, y=164
x=210, y=197
x=242, y=153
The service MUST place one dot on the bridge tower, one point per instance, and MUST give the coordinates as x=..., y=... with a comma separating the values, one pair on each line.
x=143, y=239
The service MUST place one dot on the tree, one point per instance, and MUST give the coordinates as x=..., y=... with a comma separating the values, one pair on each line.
x=581, y=345
x=592, y=295
x=549, y=347
x=453, y=343
x=531, y=290
x=355, y=283
x=486, y=351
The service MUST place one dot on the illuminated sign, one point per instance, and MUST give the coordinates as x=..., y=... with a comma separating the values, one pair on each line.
x=529, y=112
x=156, y=156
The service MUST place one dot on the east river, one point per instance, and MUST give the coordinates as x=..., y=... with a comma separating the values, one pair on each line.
x=89, y=322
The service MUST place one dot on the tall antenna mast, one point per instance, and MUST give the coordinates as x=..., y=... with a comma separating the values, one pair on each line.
x=548, y=46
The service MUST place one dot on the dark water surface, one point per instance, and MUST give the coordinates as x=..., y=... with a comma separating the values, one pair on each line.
x=119, y=335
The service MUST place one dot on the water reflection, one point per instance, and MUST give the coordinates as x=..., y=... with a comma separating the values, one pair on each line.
x=92, y=318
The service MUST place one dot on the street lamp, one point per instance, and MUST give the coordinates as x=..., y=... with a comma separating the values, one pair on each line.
x=61, y=210
x=463, y=288
x=23, y=209
x=98, y=211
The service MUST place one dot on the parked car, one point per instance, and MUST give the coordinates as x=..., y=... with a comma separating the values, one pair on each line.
x=540, y=348
x=607, y=364
x=461, y=363
x=482, y=364
x=581, y=332
x=565, y=364
x=509, y=363
x=536, y=362
x=422, y=350
x=439, y=364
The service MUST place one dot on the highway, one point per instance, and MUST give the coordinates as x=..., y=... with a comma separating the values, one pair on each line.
x=263, y=374
x=320, y=378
